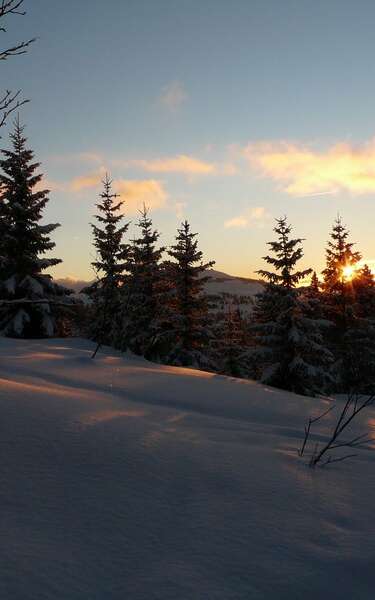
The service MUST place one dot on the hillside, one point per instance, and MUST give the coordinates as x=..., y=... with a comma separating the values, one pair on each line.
x=125, y=479
x=222, y=283
x=219, y=283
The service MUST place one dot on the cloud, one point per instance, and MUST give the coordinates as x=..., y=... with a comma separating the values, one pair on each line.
x=84, y=182
x=49, y=184
x=303, y=171
x=176, y=164
x=182, y=163
x=173, y=95
x=240, y=221
x=256, y=216
x=229, y=169
x=134, y=193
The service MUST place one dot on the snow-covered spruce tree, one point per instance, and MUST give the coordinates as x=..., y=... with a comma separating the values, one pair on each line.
x=229, y=339
x=187, y=308
x=290, y=351
x=144, y=293
x=340, y=301
x=110, y=264
x=359, y=338
x=314, y=298
x=314, y=285
x=340, y=257
x=31, y=304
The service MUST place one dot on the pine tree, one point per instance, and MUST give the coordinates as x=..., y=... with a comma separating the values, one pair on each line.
x=31, y=304
x=290, y=351
x=144, y=292
x=359, y=338
x=230, y=342
x=188, y=309
x=286, y=254
x=315, y=284
x=340, y=302
x=340, y=257
x=110, y=264
x=364, y=289
x=314, y=298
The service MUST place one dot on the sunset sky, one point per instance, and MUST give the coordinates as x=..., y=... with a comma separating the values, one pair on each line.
x=228, y=113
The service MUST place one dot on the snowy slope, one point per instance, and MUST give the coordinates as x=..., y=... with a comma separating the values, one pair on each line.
x=222, y=283
x=219, y=283
x=121, y=479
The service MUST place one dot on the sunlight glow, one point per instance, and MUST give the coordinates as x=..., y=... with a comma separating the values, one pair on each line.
x=349, y=272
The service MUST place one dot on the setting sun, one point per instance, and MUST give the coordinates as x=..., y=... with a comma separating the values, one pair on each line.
x=348, y=272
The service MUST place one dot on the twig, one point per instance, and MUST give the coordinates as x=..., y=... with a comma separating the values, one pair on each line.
x=352, y=407
x=308, y=427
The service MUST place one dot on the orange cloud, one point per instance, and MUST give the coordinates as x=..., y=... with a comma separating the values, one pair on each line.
x=84, y=182
x=135, y=193
x=178, y=164
x=240, y=221
x=307, y=172
x=49, y=184
x=255, y=216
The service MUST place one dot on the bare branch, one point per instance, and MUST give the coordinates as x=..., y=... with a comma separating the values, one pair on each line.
x=21, y=301
x=352, y=407
x=10, y=100
x=308, y=427
x=8, y=104
x=331, y=460
x=8, y=7
x=15, y=50
x=354, y=404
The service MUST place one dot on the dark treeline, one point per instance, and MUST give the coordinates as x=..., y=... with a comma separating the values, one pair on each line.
x=310, y=338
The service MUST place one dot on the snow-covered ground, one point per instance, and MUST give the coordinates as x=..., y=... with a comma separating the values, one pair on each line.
x=121, y=479
x=222, y=283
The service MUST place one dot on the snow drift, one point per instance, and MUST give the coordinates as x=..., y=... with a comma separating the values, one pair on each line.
x=124, y=479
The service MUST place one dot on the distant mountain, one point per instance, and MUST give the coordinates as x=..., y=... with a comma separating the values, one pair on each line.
x=74, y=284
x=222, y=283
x=219, y=283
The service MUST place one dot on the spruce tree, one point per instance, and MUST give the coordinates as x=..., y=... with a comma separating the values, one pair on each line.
x=144, y=292
x=290, y=351
x=314, y=284
x=314, y=297
x=230, y=342
x=359, y=338
x=339, y=256
x=340, y=303
x=188, y=307
x=110, y=264
x=31, y=304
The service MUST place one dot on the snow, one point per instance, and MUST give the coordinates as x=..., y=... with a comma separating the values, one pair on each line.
x=121, y=479
x=219, y=283
x=222, y=283
x=19, y=321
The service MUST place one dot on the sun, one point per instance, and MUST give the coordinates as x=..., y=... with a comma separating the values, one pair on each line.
x=348, y=272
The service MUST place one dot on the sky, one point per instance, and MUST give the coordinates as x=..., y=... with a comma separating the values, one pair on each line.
x=228, y=114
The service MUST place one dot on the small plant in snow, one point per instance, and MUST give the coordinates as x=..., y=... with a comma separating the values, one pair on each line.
x=322, y=454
